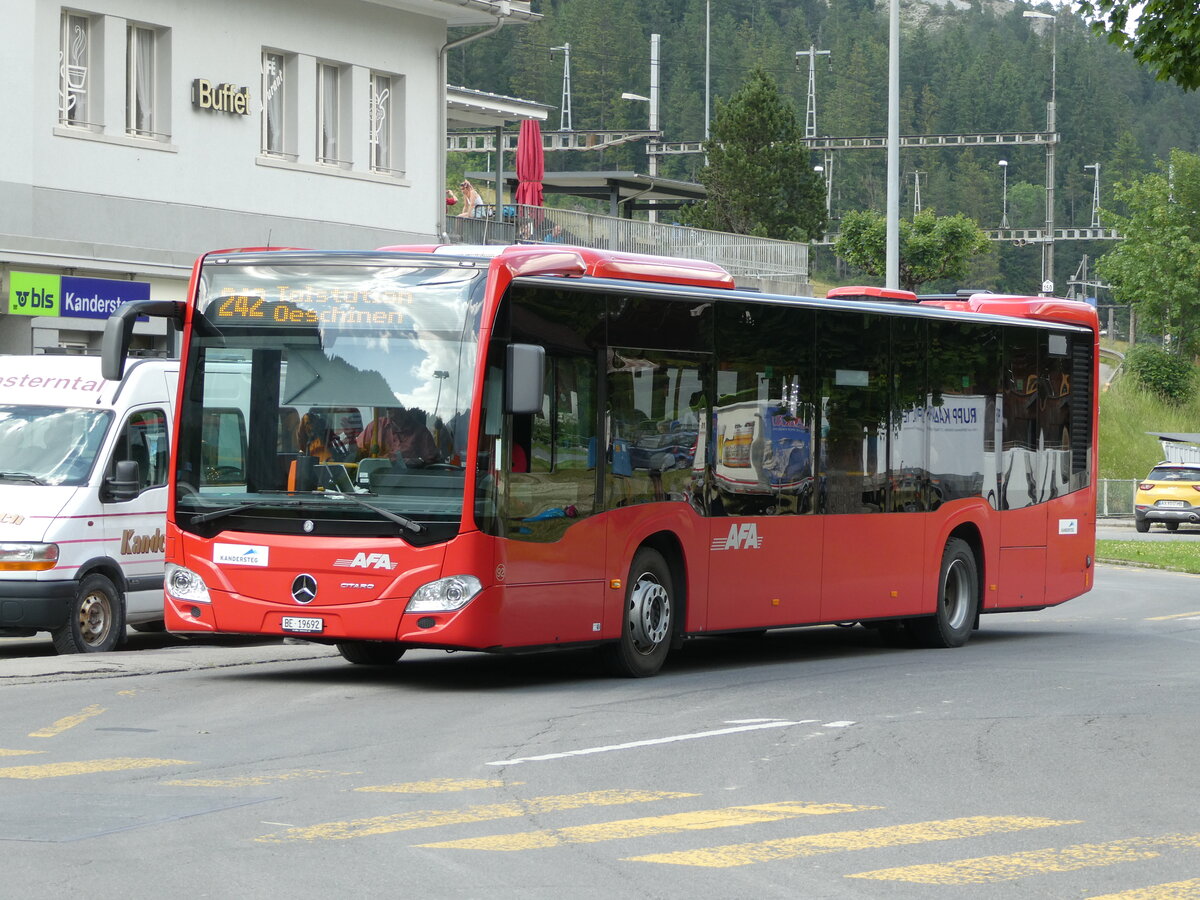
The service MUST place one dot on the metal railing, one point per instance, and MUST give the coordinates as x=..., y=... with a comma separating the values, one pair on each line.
x=762, y=263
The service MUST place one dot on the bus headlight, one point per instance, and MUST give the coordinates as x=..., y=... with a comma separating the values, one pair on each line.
x=445, y=594
x=184, y=584
x=28, y=557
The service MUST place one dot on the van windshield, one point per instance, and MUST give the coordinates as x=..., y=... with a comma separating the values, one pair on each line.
x=50, y=444
x=329, y=397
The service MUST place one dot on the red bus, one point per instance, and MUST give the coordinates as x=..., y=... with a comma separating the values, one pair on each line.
x=535, y=447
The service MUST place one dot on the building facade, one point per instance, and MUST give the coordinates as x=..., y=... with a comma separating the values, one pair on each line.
x=142, y=133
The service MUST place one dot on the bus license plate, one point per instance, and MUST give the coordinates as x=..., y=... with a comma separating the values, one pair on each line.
x=1173, y=504
x=301, y=623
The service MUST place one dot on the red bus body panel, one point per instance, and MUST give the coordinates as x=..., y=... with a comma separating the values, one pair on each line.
x=737, y=573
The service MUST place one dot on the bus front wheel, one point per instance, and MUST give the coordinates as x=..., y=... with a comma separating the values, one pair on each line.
x=957, y=600
x=370, y=653
x=648, y=619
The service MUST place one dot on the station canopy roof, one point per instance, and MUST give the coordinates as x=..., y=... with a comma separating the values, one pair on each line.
x=468, y=108
x=625, y=191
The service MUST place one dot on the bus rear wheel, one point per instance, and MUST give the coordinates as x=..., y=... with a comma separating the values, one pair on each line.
x=370, y=653
x=648, y=620
x=957, y=600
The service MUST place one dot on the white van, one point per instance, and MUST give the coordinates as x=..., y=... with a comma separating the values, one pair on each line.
x=83, y=498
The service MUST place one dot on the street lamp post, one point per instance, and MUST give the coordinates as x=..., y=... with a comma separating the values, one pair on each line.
x=820, y=170
x=1003, y=164
x=1048, y=238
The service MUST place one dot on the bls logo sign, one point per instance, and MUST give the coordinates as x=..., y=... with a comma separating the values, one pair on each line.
x=740, y=537
x=33, y=295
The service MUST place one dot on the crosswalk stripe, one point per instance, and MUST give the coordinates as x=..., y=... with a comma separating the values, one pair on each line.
x=1176, y=890
x=439, y=786
x=651, y=825
x=866, y=839
x=987, y=869
x=87, y=767
x=431, y=818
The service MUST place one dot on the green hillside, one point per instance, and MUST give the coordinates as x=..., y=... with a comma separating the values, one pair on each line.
x=1126, y=414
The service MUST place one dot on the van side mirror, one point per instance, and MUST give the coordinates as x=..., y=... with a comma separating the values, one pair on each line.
x=126, y=481
x=523, y=382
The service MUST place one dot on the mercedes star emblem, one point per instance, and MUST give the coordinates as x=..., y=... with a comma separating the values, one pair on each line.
x=304, y=589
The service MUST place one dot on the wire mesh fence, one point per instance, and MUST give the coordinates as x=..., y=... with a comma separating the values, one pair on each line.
x=1114, y=497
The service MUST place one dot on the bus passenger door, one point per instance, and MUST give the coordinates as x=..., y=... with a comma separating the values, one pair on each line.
x=764, y=542
x=552, y=545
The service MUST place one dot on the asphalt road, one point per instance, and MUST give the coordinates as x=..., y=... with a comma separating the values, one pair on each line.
x=1052, y=757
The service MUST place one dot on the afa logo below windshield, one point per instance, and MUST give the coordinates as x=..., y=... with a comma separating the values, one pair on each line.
x=740, y=537
x=367, y=561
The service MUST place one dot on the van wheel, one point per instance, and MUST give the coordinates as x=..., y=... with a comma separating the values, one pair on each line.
x=957, y=600
x=648, y=620
x=370, y=653
x=95, y=618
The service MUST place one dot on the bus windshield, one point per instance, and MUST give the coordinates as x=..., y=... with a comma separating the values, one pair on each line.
x=329, y=396
x=49, y=444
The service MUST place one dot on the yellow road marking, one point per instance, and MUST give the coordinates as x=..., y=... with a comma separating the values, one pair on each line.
x=1176, y=890
x=253, y=780
x=431, y=818
x=1190, y=615
x=439, y=786
x=19, y=752
x=670, y=824
x=987, y=869
x=88, y=766
x=68, y=722
x=866, y=839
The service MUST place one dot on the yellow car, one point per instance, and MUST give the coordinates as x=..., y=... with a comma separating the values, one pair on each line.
x=1170, y=494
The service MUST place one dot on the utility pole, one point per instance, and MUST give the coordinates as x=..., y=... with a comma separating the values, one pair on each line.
x=917, y=191
x=564, y=112
x=1095, y=197
x=1051, y=107
x=810, y=107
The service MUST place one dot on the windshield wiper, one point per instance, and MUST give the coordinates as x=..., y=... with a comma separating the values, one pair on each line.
x=214, y=514
x=21, y=476
x=403, y=521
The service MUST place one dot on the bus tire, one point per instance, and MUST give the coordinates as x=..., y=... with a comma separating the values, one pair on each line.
x=370, y=653
x=648, y=620
x=95, y=618
x=957, y=600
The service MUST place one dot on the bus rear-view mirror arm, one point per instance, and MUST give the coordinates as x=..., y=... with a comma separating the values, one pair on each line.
x=119, y=331
x=523, y=387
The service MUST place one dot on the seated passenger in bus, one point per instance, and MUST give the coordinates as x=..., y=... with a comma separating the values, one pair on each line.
x=400, y=435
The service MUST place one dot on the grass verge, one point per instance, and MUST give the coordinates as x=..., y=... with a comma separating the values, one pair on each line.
x=1177, y=556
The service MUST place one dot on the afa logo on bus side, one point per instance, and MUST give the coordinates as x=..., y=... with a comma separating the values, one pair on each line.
x=30, y=294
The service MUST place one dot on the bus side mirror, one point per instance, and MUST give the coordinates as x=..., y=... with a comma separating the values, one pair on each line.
x=119, y=331
x=126, y=481
x=523, y=386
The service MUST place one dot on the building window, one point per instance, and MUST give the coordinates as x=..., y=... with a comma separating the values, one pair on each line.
x=328, y=86
x=141, y=77
x=274, y=93
x=74, y=69
x=381, y=123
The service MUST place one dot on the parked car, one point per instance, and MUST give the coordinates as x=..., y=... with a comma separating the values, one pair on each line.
x=1170, y=494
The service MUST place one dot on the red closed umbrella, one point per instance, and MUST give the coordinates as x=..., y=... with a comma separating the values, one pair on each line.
x=531, y=163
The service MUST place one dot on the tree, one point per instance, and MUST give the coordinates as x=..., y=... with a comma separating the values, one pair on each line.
x=759, y=179
x=1157, y=266
x=931, y=247
x=1166, y=37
